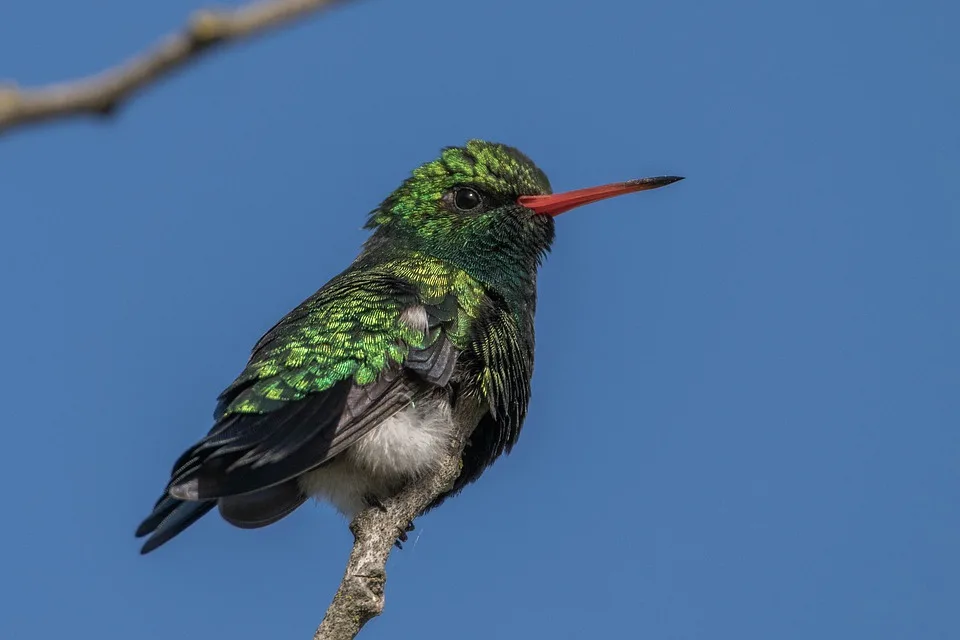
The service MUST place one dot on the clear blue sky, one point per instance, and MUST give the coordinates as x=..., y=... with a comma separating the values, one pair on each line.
x=746, y=409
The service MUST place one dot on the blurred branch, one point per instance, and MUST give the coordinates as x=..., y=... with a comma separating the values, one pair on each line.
x=360, y=596
x=101, y=94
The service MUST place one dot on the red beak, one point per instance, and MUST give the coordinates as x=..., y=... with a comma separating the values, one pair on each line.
x=557, y=203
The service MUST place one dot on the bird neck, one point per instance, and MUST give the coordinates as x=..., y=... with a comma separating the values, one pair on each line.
x=508, y=273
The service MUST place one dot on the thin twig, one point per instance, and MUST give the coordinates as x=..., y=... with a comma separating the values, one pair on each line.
x=360, y=597
x=101, y=94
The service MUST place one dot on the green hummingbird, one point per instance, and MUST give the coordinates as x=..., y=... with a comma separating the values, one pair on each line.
x=352, y=394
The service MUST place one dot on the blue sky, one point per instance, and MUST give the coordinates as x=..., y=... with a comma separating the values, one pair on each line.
x=745, y=411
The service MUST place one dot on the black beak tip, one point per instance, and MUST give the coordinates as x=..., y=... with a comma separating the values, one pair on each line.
x=655, y=182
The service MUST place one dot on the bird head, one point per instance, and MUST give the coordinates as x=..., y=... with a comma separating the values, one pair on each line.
x=486, y=208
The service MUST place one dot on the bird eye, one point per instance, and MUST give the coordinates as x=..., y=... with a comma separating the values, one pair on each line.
x=466, y=199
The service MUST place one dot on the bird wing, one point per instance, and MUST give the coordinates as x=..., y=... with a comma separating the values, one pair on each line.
x=356, y=352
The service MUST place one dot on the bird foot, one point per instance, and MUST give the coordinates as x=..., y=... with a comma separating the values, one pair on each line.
x=403, y=535
x=375, y=502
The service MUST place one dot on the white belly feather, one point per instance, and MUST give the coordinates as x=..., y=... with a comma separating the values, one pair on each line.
x=398, y=450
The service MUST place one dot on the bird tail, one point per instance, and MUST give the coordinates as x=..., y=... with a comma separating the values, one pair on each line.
x=252, y=510
x=265, y=506
x=170, y=516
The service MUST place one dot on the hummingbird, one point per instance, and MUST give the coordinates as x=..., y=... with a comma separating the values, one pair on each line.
x=354, y=393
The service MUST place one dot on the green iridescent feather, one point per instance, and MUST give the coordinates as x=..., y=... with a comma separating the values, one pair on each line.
x=351, y=328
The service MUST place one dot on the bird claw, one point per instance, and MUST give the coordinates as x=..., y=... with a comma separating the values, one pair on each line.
x=403, y=535
x=374, y=502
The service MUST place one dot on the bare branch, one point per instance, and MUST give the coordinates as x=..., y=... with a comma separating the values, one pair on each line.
x=100, y=95
x=360, y=597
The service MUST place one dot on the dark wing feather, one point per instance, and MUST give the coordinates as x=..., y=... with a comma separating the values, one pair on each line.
x=249, y=460
x=255, y=451
x=282, y=444
x=434, y=364
x=367, y=406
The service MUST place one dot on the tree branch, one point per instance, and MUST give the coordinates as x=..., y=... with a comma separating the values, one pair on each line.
x=101, y=94
x=360, y=596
